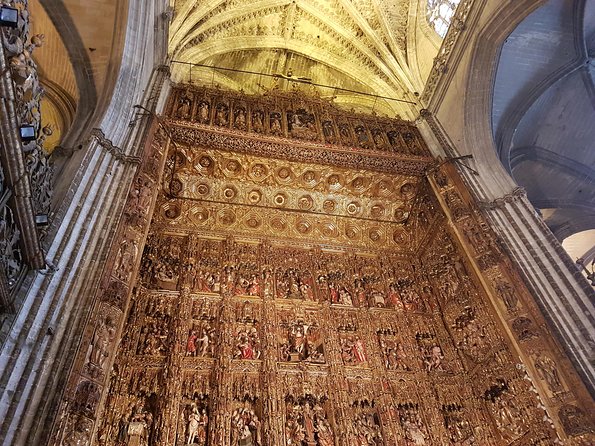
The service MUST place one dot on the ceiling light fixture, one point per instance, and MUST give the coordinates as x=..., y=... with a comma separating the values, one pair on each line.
x=27, y=133
x=9, y=16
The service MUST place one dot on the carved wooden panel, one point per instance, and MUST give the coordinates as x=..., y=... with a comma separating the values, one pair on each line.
x=251, y=325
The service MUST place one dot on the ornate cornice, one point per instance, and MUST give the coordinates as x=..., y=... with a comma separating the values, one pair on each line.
x=441, y=61
x=115, y=151
x=290, y=150
x=517, y=194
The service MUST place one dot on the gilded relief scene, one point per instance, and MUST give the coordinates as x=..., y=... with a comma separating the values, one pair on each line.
x=314, y=277
x=297, y=223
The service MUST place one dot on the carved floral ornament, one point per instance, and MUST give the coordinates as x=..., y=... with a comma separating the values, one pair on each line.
x=214, y=190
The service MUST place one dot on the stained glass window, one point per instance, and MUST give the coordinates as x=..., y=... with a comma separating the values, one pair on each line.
x=440, y=13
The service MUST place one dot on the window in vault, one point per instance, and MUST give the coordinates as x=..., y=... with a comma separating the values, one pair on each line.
x=439, y=14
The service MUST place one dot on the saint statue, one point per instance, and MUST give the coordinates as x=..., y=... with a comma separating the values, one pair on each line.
x=546, y=368
x=359, y=353
x=191, y=344
x=194, y=420
x=138, y=432
x=203, y=112
x=104, y=334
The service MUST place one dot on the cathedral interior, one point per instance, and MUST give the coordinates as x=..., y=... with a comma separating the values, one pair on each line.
x=297, y=223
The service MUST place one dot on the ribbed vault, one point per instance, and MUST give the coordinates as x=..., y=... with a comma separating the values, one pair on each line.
x=544, y=109
x=356, y=45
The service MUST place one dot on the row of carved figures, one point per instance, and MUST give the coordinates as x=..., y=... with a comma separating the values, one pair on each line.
x=306, y=421
x=334, y=287
x=299, y=339
x=314, y=420
x=304, y=121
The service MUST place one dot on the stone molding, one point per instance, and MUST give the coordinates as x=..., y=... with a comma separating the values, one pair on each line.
x=442, y=61
x=55, y=304
x=562, y=292
x=517, y=194
x=117, y=152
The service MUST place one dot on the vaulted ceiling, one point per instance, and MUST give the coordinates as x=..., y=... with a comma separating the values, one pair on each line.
x=355, y=45
x=544, y=112
x=77, y=60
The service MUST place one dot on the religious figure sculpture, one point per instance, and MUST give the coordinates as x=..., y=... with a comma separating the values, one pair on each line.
x=345, y=297
x=411, y=299
x=328, y=131
x=203, y=112
x=138, y=430
x=104, y=334
x=268, y=286
x=248, y=344
x=191, y=344
x=459, y=429
x=275, y=123
x=257, y=121
x=240, y=119
x=547, y=370
x=253, y=288
x=295, y=284
x=507, y=294
x=395, y=357
x=306, y=423
x=433, y=358
x=294, y=431
x=345, y=134
x=414, y=433
x=378, y=139
x=80, y=432
x=139, y=203
x=184, y=107
x=324, y=432
x=394, y=298
x=507, y=417
x=221, y=115
x=197, y=426
x=125, y=258
x=301, y=342
x=362, y=137
x=574, y=420
x=523, y=328
x=206, y=281
x=359, y=353
x=366, y=430
x=245, y=428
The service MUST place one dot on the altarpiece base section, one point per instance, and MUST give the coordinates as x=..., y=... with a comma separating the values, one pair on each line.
x=295, y=289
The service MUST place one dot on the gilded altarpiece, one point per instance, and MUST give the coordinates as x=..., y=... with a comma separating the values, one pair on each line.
x=312, y=277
